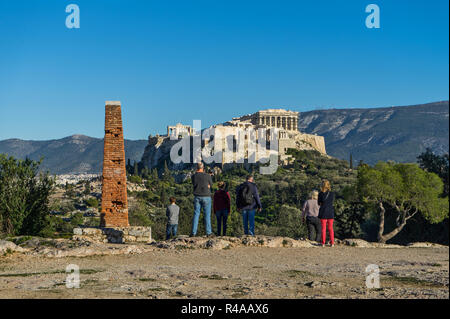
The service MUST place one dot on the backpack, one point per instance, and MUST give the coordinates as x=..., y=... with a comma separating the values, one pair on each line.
x=245, y=195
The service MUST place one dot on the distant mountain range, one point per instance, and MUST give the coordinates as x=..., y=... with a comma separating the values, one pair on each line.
x=379, y=134
x=73, y=154
x=372, y=134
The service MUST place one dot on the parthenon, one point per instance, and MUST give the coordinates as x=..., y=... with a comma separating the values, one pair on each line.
x=286, y=123
x=277, y=118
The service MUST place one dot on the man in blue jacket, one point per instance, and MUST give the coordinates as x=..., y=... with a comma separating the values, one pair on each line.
x=247, y=201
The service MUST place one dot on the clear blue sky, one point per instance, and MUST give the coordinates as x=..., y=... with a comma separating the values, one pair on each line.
x=175, y=61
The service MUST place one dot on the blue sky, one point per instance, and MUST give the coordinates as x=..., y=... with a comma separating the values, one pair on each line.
x=175, y=61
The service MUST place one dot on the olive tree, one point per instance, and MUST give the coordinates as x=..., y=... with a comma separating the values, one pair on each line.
x=406, y=188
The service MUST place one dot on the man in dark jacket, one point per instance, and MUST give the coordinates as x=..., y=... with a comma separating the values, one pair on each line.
x=202, y=184
x=247, y=201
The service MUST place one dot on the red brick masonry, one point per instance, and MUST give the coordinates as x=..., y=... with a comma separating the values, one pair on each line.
x=114, y=189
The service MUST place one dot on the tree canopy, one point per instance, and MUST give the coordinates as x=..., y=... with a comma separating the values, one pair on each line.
x=406, y=188
x=438, y=164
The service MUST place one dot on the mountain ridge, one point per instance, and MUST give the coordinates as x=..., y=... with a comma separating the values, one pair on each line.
x=398, y=133
x=72, y=154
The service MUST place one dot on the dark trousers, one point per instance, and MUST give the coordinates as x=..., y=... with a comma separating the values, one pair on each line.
x=222, y=216
x=314, y=228
x=171, y=229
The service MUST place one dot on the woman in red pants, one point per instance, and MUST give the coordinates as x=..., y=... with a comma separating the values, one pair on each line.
x=326, y=211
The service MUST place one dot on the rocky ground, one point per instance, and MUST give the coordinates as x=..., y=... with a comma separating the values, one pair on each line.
x=247, y=267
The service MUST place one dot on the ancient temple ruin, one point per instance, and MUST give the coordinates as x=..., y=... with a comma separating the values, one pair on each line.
x=283, y=123
x=179, y=130
x=270, y=118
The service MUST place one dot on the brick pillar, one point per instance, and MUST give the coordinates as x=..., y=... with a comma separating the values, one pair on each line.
x=114, y=182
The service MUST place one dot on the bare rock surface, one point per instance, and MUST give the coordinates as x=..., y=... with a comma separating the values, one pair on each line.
x=220, y=267
x=59, y=248
x=9, y=247
x=185, y=242
x=70, y=248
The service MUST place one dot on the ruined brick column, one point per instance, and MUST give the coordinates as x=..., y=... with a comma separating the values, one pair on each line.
x=114, y=182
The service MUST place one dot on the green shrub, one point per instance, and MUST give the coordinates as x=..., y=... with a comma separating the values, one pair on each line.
x=135, y=179
x=139, y=215
x=77, y=220
x=91, y=202
x=24, y=196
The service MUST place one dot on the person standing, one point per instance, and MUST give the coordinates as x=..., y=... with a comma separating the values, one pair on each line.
x=247, y=201
x=202, y=184
x=172, y=213
x=310, y=212
x=326, y=211
x=222, y=201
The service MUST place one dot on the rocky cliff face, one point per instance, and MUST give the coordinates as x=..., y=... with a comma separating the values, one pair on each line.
x=157, y=152
x=381, y=134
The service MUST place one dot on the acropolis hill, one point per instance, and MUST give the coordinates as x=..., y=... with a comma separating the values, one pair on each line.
x=284, y=121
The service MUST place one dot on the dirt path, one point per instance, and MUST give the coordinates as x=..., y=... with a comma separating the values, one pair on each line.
x=244, y=272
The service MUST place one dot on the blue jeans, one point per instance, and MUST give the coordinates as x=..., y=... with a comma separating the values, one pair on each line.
x=222, y=216
x=171, y=229
x=248, y=215
x=199, y=203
